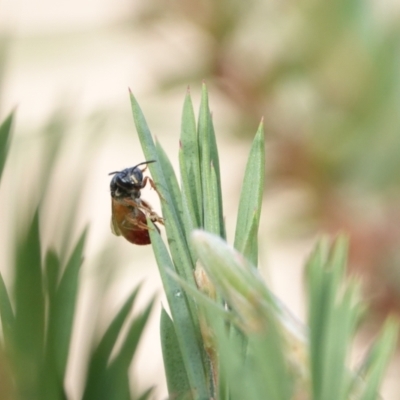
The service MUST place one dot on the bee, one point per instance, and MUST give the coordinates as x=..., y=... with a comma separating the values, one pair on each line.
x=129, y=210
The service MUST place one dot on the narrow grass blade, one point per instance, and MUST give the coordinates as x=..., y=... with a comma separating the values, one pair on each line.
x=212, y=221
x=189, y=159
x=175, y=372
x=338, y=258
x=217, y=172
x=52, y=274
x=204, y=133
x=187, y=333
x=62, y=309
x=146, y=395
x=251, y=199
x=339, y=333
x=6, y=313
x=5, y=139
x=28, y=287
x=334, y=313
x=211, y=186
x=117, y=375
x=176, y=236
x=51, y=379
x=320, y=296
x=172, y=182
x=96, y=374
x=29, y=310
x=378, y=358
x=107, y=343
x=250, y=244
x=189, y=217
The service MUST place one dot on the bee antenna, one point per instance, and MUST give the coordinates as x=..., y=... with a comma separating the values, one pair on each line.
x=144, y=162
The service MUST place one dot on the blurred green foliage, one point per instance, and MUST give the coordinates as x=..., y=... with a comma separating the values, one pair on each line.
x=38, y=308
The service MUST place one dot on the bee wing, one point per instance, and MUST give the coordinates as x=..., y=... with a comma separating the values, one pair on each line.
x=114, y=227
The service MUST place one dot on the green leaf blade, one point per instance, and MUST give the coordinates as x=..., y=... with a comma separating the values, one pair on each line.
x=212, y=221
x=97, y=372
x=117, y=374
x=175, y=232
x=175, y=372
x=378, y=358
x=5, y=139
x=52, y=273
x=210, y=170
x=186, y=330
x=62, y=308
x=189, y=159
x=172, y=182
x=250, y=203
x=334, y=314
x=6, y=313
x=28, y=338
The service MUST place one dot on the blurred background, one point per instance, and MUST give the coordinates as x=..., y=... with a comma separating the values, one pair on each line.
x=325, y=76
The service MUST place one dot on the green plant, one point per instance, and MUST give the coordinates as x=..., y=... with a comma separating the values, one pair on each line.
x=228, y=336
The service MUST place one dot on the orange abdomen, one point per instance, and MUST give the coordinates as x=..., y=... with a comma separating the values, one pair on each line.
x=130, y=221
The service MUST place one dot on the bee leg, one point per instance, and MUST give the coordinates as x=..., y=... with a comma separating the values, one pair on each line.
x=153, y=185
x=156, y=218
x=146, y=208
x=136, y=224
x=152, y=214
